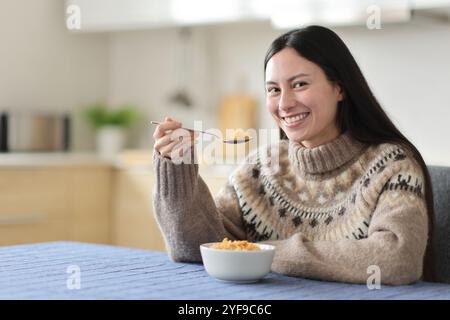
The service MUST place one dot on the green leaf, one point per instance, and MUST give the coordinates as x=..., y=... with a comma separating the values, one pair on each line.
x=99, y=115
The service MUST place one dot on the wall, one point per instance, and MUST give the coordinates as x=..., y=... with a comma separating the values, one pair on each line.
x=406, y=66
x=44, y=67
x=409, y=71
x=145, y=70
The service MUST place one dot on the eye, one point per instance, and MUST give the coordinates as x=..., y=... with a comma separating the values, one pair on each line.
x=300, y=84
x=272, y=90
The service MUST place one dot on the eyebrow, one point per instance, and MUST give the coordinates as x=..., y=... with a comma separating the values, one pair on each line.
x=291, y=78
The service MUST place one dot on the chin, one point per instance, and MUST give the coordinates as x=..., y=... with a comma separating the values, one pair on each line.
x=296, y=136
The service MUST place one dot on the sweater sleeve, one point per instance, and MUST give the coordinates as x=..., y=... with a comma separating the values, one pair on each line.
x=396, y=243
x=186, y=212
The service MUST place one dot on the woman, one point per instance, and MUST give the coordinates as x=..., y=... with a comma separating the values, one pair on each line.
x=350, y=191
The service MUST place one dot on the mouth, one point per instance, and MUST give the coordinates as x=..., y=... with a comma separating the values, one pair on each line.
x=295, y=120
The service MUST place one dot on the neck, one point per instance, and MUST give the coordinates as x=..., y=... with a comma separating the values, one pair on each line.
x=332, y=135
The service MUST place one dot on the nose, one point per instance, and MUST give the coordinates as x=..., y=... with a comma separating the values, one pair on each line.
x=287, y=100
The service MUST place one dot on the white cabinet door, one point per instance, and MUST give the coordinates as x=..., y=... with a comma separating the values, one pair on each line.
x=113, y=15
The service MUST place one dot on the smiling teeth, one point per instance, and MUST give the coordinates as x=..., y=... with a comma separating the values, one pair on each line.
x=296, y=118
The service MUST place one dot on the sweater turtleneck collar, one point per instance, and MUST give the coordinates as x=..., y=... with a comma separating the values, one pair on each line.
x=326, y=157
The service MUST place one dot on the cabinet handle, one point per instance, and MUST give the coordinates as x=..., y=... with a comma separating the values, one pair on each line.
x=22, y=218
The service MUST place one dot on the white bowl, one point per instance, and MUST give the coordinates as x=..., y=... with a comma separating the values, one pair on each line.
x=237, y=266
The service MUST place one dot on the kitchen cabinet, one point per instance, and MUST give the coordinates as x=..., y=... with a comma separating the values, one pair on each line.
x=134, y=224
x=39, y=204
x=71, y=198
x=90, y=204
x=116, y=15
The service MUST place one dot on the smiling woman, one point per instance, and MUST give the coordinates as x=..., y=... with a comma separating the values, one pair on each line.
x=304, y=105
x=347, y=192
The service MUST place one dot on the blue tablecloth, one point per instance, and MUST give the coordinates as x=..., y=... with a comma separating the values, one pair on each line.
x=40, y=271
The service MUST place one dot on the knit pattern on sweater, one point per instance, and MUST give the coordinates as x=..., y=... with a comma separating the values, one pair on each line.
x=277, y=201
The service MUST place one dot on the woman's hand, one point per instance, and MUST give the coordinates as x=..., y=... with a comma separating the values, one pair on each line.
x=171, y=141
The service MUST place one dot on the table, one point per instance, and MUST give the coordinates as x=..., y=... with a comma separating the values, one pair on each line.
x=54, y=270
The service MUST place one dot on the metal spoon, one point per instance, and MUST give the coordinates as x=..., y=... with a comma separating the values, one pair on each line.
x=231, y=141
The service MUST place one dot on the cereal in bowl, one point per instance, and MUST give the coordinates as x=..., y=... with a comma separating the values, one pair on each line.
x=239, y=245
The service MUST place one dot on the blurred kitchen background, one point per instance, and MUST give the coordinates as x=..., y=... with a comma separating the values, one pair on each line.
x=72, y=72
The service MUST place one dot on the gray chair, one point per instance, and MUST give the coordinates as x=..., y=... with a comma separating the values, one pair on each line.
x=440, y=180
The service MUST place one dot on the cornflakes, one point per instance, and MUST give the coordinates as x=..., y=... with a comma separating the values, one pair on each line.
x=239, y=245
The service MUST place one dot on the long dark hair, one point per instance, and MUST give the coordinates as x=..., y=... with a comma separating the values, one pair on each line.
x=359, y=113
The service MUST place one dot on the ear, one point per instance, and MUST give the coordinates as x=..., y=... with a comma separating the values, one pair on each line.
x=340, y=92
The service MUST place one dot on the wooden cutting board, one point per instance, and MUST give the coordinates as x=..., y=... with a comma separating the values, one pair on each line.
x=238, y=112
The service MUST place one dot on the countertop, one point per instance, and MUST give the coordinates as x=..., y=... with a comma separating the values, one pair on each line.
x=54, y=270
x=136, y=160
x=52, y=159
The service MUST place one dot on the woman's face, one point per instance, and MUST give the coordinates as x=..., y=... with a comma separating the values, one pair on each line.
x=301, y=99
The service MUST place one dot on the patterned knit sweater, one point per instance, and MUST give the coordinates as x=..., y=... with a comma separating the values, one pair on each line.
x=332, y=211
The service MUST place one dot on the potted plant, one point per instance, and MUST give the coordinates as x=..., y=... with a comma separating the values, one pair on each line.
x=110, y=125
